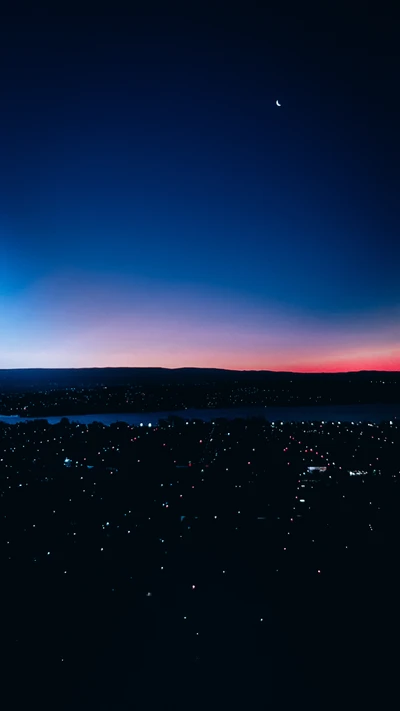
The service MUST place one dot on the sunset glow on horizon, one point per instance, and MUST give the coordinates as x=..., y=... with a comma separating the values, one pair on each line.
x=69, y=321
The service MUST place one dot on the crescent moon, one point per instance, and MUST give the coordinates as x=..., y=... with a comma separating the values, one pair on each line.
x=277, y=103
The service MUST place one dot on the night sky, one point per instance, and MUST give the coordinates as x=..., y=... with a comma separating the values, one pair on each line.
x=158, y=209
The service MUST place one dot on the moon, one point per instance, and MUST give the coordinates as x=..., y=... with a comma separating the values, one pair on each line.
x=277, y=103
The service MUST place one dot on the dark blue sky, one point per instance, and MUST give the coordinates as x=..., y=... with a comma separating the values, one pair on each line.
x=147, y=173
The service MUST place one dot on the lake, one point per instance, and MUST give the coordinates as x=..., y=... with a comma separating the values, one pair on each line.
x=323, y=413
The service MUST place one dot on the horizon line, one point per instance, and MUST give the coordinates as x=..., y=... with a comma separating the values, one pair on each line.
x=230, y=370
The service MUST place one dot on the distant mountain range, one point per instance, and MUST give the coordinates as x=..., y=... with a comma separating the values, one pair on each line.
x=34, y=378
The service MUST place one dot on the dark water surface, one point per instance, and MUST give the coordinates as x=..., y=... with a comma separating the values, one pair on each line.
x=323, y=413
